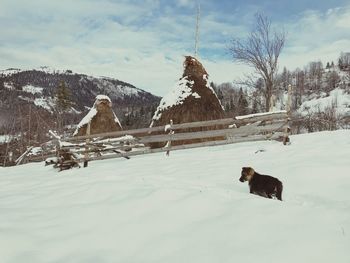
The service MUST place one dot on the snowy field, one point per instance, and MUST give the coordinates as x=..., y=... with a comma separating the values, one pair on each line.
x=188, y=207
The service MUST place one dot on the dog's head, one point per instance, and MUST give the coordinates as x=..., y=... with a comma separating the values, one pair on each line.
x=246, y=174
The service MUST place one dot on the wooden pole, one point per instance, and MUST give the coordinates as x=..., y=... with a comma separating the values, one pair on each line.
x=10, y=157
x=20, y=159
x=197, y=33
x=29, y=124
x=87, y=145
x=286, y=140
x=171, y=132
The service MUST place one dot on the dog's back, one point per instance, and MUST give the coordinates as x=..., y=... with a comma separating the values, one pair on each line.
x=266, y=185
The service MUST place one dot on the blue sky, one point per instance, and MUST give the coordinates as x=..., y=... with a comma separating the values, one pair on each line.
x=143, y=42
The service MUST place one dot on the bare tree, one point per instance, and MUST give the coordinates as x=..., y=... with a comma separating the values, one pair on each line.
x=315, y=70
x=344, y=60
x=261, y=50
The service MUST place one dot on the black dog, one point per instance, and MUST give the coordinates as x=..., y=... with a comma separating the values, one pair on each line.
x=263, y=185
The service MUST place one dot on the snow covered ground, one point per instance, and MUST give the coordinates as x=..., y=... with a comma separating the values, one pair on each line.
x=32, y=89
x=5, y=139
x=337, y=98
x=188, y=207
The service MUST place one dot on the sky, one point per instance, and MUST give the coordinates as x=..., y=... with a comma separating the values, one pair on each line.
x=144, y=42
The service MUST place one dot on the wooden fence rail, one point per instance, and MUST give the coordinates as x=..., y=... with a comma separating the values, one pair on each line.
x=238, y=121
x=245, y=130
x=185, y=146
x=272, y=126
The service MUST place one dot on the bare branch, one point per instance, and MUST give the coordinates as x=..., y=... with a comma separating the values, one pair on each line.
x=260, y=51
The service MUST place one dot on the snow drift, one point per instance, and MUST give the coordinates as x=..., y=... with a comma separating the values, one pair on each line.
x=189, y=207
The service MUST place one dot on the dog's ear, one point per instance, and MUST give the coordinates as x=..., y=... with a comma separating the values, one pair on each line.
x=250, y=170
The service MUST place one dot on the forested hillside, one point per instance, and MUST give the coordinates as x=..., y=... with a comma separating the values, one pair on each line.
x=320, y=95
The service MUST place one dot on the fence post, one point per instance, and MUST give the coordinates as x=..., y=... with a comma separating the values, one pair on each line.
x=286, y=140
x=168, y=144
x=20, y=159
x=86, y=156
x=10, y=156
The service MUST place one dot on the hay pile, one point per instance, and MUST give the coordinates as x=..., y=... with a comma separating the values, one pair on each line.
x=101, y=117
x=192, y=99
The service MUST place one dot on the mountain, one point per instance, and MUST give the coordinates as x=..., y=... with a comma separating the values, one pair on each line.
x=37, y=88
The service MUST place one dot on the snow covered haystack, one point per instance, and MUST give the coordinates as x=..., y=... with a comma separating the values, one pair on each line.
x=192, y=99
x=101, y=117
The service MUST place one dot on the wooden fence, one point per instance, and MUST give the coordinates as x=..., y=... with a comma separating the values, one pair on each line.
x=263, y=126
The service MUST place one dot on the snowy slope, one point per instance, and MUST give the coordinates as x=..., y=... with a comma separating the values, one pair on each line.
x=337, y=98
x=188, y=207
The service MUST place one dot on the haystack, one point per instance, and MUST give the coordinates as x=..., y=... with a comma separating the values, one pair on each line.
x=192, y=99
x=101, y=118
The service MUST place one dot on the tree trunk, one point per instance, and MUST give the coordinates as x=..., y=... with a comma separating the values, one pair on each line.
x=268, y=94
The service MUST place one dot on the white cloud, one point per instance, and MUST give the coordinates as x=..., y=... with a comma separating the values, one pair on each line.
x=144, y=44
x=186, y=3
x=317, y=36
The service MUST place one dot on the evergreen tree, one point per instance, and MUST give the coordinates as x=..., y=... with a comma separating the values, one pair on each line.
x=63, y=101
